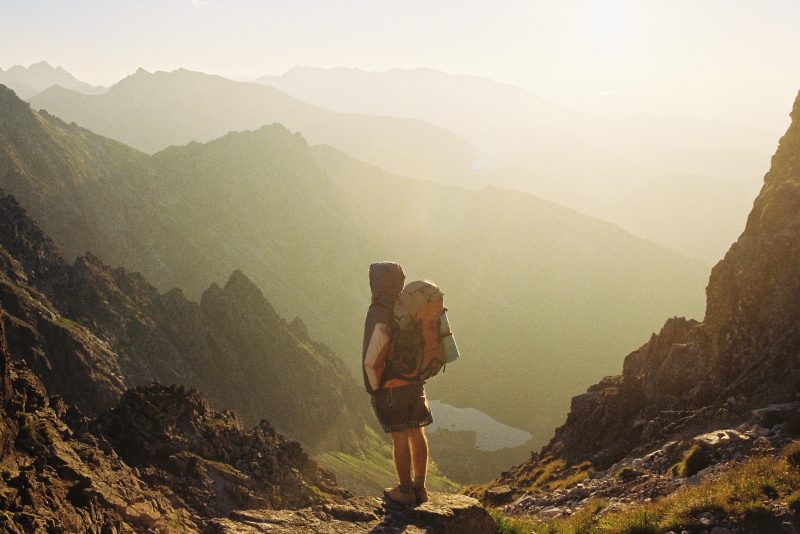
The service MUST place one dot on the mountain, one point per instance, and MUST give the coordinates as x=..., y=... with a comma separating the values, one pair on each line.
x=593, y=162
x=30, y=80
x=700, y=394
x=521, y=275
x=151, y=111
x=697, y=214
x=232, y=343
x=162, y=460
x=157, y=458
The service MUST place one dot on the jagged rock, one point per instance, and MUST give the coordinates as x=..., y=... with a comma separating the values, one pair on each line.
x=163, y=460
x=693, y=377
x=54, y=480
x=205, y=459
x=442, y=514
x=498, y=495
x=776, y=413
x=109, y=329
x=722, y=439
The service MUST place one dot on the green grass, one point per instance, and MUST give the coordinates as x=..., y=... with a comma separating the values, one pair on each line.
x=68, y=324
x=693, y=461
x=742, y=494
x=371, y=473
x=792, y=453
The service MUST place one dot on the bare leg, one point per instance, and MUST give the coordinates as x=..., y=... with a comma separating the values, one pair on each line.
x=419, y=455
x=402, y=456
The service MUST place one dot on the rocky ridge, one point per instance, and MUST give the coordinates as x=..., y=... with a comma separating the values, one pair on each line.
x=120, y=332
x=164, y=461
x=297, y=220
x=725, y=388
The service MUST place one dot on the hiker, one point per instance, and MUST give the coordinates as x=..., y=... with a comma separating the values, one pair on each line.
x=400, y=405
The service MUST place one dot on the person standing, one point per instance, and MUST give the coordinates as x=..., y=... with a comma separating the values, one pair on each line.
x=400, y=405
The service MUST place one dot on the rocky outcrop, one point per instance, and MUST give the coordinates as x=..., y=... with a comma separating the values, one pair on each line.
x=164, y=461
x=442, y=514
x=693, y=377
x=56, y=478
x=205, y=460
x=90, y=331
x=161, y=461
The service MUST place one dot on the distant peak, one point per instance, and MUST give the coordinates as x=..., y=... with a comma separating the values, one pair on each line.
x=238, y=280
x=41, y=65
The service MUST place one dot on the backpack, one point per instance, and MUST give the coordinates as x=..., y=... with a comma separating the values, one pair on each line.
x=418, y=351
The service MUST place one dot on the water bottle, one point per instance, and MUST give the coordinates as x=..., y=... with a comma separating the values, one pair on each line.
x=448, y=340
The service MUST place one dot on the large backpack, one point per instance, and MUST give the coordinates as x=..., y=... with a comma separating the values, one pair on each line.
x=417, y=349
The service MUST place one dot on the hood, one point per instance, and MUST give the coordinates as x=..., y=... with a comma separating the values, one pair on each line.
x=386, y=280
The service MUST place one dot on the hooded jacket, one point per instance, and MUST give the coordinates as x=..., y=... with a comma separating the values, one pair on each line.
x=386, y=281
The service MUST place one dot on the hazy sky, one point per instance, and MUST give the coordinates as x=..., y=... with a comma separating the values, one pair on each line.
x=738, y=60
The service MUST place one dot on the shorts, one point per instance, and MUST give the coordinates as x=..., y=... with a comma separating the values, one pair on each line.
x=401, y=408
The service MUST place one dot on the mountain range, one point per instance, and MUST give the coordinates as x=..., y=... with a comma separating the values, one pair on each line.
x=711, y=404
x=590, y=161
x=698, y=433
x=521, y=274
x=151, y=111
x=33, y=79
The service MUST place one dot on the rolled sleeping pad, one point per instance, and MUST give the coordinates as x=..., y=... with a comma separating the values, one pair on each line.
x=451, y=353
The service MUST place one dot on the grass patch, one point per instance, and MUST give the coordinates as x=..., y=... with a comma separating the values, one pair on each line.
x=370, y=473
x=793, y=502
x=693, y=461
x=570, y=479
x=792, y=453
x=67, y=324
x=741, y=494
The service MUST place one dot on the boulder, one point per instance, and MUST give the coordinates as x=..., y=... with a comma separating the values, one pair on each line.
x=442, y=514
x=498, y=495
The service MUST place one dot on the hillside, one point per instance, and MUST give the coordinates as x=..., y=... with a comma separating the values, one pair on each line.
x=699, y=397
x=303, y=224
x=151, y=111
x=121, y=333
x=161, y=461
x=594, y=162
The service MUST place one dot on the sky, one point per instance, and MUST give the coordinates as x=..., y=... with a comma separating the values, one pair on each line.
x=737, y=61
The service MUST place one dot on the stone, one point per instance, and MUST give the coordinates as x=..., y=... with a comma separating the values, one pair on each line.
x=442, y=514
x=498, y=495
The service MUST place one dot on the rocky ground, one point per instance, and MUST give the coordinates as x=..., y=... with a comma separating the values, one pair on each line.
x=643, y=477
x=163, y=460
x=443, y=514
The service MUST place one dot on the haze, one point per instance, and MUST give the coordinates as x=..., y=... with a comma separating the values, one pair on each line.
x=713, y=59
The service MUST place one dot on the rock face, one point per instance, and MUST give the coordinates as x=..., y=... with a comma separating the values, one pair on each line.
x=442, y=514
x=695, y=377
x=58, y=478
x=91, y=331
x=164, y=461
x=205, y=460
x=161, y=461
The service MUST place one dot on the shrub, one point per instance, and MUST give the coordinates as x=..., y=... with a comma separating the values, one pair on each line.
x=792, y=452
x=794, y=503
x=693, y=461
x=757, y=516
x=627, y=473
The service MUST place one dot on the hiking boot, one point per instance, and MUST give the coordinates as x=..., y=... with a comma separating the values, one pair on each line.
x=421, y=495
x=400, y=496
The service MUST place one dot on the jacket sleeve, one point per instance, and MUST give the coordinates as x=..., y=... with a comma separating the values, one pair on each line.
x=375, y=358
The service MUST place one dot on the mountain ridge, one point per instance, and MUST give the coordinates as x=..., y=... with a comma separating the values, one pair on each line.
x=303, y=230
x=698, y=396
